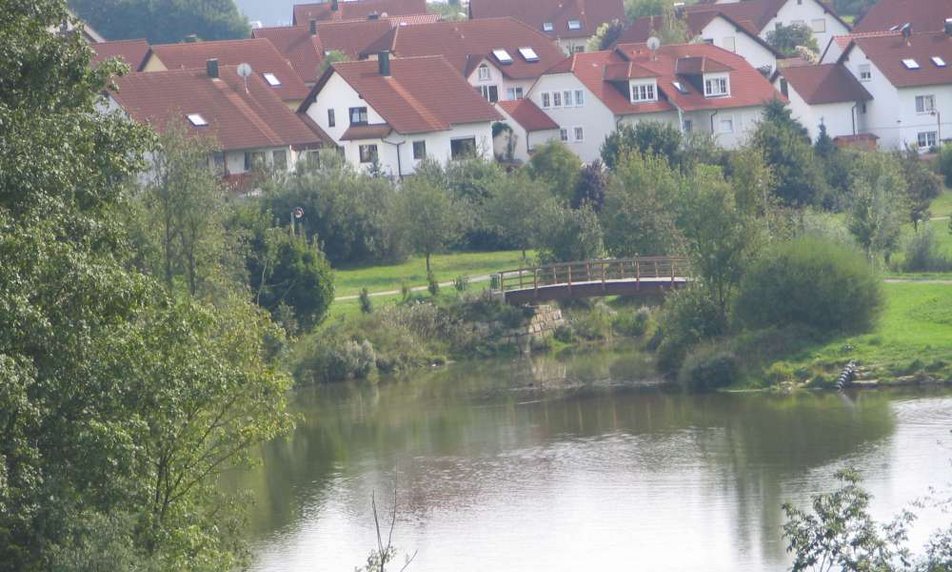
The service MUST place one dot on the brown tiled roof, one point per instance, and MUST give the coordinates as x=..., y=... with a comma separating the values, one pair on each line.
x=923, y=15
x=360, y=9
x=132, y=52
x=748, y=87
x=465, y=44
x=536, y=13
x=421, y=95
x=528, y=115
x=641, y=29
x=238, y=119
x=259, y=53
x=352, y=37
x=888, y=53
x=376, y=131
x=827, y=83
x=302, y=50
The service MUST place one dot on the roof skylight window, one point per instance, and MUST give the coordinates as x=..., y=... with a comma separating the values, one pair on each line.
x=503, y=56
x=575, y=25
x=939, y=62
x=910, y=64
x=272, y=79
x=197, y=120
x=529, y=54
x=547, y=27
x=679, y=86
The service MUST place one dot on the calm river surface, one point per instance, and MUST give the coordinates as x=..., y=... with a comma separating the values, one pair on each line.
x=579, y=464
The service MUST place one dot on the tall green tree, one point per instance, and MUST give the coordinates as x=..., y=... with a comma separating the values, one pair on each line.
x=878, y=204
x=645, y=137
x=427, y=216
x=557, y=166
x=165, y=21
x=786, y=147
x=516, y=211
x=786, y=39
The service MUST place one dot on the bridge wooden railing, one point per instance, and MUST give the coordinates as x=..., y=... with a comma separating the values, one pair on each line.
x=647, y=268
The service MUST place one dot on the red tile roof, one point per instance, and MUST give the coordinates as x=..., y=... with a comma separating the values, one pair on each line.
x=537, y=13
x=528, y=115
x=132, y=52
x=259, y=53
x=237, y=119
x=352, y=37
x=359, y=9
x=465, y=44
x=923, y=15
x=827, y=83
x=748, y=87
x=357, y=132
x=753, y=15
x=421, y=95
x=302, y=50
x=888, y=52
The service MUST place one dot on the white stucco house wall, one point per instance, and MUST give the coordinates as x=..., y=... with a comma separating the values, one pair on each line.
x=393, y=113
x=826, y=94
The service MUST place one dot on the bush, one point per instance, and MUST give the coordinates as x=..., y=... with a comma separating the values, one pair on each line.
x=811, y=283
x=922, y=254
x=461, y=283
x=945, y=163
x=632, y=324
x=594, y=324
x=366, y=304
x=688, y=317
x=708, y=369
x=432, y=284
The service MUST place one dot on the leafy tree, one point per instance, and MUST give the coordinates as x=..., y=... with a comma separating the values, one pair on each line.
x=605, y=36
x=163, y=22
x=516, y=209
x=181, y=212
x=877, y=204
x=635, y=9
x=570, y=234
x=590, y=189
x=922, y=186
x=786, y=148
x=753, y=181
x=785, y=39
x=673, y=28
x=427, y=217
x=811, y=282
x=718, y=237
x=288, y=270
x=639, y=215
x=645, y=137
x=554, y=164
x=824, y=146
x=944, y=163
x=330, y=58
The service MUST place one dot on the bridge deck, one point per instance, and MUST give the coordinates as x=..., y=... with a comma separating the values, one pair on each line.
x=624, y=277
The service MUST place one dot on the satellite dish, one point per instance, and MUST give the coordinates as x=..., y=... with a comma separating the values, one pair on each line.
x=654, y=43
x=244, y=70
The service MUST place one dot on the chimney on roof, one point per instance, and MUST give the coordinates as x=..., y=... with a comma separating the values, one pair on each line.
x=383, y=63
x=948, y=26
x=906, y=30
x=312, y=24
x=334, y=6
x=211, y=66
x=191, y=38
x=373, y=16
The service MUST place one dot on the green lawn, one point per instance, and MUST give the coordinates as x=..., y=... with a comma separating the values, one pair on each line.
x=913, y=333
x=446, y=267
x=942, y=206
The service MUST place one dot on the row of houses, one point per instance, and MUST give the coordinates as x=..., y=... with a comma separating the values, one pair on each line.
x=415, y=87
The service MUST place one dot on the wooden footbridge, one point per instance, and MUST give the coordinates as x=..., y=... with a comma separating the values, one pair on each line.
x=591, y=278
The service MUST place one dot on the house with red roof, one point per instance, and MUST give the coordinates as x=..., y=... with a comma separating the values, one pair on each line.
x=759, y=17
x=891, y=15
x=500, y=57
x=695, y=87
x=355, y=10
x=265, y=60
x=571, y=23
x=247, y=123
x=305, y=46
x=133, y=53
x=527, y=128
x=827, y=95
x=909, y=77
x=711, y=27
x=391, y=113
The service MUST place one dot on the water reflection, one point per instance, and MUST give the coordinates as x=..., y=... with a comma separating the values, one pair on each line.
x=559, y=464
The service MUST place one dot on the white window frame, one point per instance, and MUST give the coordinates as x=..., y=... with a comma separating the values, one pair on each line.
x=925, y=104
x=579, y=97
x=514, y=93
x=643, y=92
x=923, y=139
x=272, y=79
x=727, y=122
x=563, y=134
x=578, y=134
x=546, y=100
x=575, y=24
x=865, y=72
x=556, y=99
x=483, y=73
x=367, y=153
x=818, y=25
x=723, y=84
x=547, y=27
x=567, y=99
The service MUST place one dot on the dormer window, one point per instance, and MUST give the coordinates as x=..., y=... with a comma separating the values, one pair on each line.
x=272, y=79
x=547, y=27
x=716, y=86
x=643, y=91
x=575, y=24
x=503, y=56
x=197, y=120
x=483, y=73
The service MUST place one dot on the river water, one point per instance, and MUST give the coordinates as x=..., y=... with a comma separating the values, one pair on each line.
x=581, y=463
